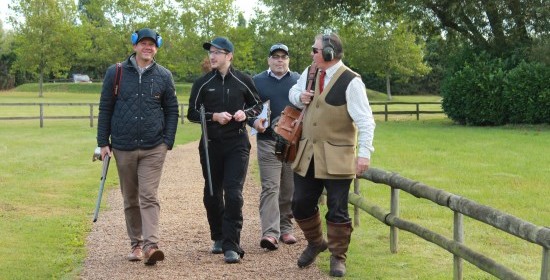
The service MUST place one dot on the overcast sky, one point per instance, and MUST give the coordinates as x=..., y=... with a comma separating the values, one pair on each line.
x=4, y=11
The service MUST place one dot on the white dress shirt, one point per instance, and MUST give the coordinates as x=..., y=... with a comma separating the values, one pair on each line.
x=358, y=107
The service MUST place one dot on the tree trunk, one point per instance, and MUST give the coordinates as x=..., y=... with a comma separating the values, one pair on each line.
x=388, y=86
x=40, y=82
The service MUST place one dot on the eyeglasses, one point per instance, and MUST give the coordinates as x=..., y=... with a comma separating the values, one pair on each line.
x=283, y=57
x=315, y=50
x=216, y=52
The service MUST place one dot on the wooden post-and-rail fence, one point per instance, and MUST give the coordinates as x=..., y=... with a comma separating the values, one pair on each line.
x=416, y=112
x=91, y=116
x=460, y=206
x=92, y=113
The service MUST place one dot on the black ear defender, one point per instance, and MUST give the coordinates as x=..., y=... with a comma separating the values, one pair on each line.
x=328, y=48
x=146, y=33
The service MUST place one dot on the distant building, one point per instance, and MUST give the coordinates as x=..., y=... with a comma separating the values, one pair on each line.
x=81, y=78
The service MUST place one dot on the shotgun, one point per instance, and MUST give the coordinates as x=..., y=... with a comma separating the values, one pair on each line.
x=97, y=156
x=205, y=145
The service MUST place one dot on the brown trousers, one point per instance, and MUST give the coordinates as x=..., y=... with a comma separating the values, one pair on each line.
x=139, y=172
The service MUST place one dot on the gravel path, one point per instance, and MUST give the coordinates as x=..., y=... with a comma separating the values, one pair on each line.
x=184, y=234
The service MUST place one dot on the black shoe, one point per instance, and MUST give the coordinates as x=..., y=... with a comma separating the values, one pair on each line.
x=231, y=257
x=217, y=247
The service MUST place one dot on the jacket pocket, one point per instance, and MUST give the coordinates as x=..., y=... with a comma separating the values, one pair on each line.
x=340, y=160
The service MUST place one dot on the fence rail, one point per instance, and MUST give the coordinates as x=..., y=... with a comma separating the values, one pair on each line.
x=460, y=206
x=91, y=115
x=416, y=112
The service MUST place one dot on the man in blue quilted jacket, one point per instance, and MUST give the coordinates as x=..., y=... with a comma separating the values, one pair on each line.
x=138, y=118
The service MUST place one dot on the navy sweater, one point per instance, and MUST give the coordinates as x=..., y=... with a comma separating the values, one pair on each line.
x=276, y=91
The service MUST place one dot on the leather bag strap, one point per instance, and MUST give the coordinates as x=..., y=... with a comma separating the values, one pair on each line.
x=118, y=76
x=310, y=83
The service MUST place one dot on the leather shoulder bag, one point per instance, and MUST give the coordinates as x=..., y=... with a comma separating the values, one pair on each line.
x=288, y=129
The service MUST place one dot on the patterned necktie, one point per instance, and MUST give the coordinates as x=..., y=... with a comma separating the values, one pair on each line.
x=322, y=81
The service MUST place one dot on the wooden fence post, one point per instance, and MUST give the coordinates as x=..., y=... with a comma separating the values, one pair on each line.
x=91, y=115
x=182, y=113
x=355, y=207
x=545, y=271
x=458, y=235
x=41, y=115
x=394, y=231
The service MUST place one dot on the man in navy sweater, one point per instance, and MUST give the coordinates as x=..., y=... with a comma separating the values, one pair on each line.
x=276, y=176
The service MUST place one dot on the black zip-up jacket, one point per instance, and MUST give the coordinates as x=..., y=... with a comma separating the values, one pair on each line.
x=143, y=114
x=236, y=91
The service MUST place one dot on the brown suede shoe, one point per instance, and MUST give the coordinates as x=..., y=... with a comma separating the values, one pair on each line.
x=288, y=238
x=153, y=255
x=136, y=254
x=269, y=242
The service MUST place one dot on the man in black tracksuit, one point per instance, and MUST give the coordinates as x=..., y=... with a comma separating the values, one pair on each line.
x=229, y=98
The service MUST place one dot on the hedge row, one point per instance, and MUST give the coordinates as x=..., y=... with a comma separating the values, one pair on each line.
x=485, y=92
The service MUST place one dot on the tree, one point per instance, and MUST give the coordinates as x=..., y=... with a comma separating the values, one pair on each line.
x=44, y=37
x=186, y=24
x=106, y=27
x=7, y=57
x=322, y=10
x=388, y=50
x=279, y=26
x=496, y=26
x=499, y=26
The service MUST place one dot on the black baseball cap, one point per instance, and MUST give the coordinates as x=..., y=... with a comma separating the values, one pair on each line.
x=278, y=47
x=221, y=43
x=146, y=33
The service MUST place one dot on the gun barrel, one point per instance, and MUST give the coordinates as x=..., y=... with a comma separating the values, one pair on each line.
x=205, y=145
x=101, y=186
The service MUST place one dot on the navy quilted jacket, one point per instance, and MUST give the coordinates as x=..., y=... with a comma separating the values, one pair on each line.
x=143, y=114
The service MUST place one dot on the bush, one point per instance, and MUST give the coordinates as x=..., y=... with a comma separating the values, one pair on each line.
x=494, y=91
x=473, y=95
x=527, y=93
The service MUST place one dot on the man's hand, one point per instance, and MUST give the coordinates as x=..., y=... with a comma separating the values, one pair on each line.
x=306, y=97
x=240, y=116
x=259, y=125
x=222, y=118
x=106, y=151
x=362, y=165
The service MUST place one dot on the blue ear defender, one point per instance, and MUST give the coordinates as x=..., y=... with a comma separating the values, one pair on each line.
x=134, y=38
x=159, y=41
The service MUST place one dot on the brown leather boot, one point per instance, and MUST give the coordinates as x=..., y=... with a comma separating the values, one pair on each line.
x=315, y=242
x=339, y=235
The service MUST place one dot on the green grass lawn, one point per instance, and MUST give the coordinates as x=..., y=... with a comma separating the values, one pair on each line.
x=506, y=168
x=49, y=186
